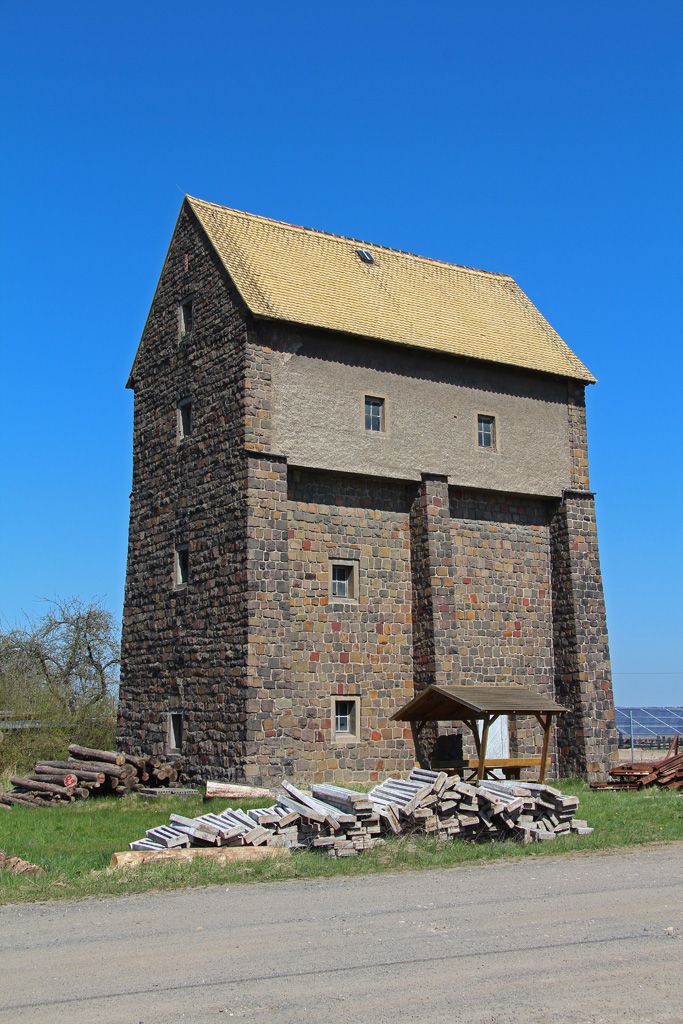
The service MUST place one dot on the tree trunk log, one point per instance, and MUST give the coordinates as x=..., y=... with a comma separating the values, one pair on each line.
x=67, y=765
x=46, y=768
x=100, y=767
x=66, y=779
x=137, y=762
x=89, y=754
x=40, y=787
x=24, y=800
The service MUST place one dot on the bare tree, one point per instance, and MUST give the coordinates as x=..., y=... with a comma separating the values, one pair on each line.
x=67, y=659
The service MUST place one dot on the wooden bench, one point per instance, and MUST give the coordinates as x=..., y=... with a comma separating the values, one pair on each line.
x=511, y=767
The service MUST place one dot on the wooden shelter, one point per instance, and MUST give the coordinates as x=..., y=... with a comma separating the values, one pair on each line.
x=473, y=704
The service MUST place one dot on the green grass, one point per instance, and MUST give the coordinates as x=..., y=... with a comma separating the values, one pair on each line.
x=74, y=844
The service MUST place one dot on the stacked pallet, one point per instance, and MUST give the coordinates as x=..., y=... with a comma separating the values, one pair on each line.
x=89, y=772
x=446, y=807
x=667, y=773
x=298, y=821
x=341, y=822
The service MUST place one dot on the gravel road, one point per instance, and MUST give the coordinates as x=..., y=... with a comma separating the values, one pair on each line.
x=559, y=940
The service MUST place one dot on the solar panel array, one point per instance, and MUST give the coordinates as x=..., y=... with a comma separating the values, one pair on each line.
x=650, y=721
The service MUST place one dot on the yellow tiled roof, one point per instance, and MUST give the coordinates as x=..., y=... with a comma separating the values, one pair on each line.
x=308, y=277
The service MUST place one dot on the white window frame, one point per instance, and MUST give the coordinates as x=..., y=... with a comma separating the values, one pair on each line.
x=352, y=566
x=383, y=419
x=352, y=735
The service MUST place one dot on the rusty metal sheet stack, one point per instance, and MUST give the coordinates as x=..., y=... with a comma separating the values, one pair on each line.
x=667, y=773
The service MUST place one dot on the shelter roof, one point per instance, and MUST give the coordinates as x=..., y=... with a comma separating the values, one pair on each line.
x=459, y=703
x=319, y=280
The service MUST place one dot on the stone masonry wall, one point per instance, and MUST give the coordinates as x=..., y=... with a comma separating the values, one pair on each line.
x=270, y=750
x=503, y=627
x=360, y=647
x=184, y=649
x=431, y=553
x=586, y=737
x=433, y=583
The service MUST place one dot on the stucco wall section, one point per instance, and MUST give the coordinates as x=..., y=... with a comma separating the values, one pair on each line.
x=578, y=436
x=431, y=404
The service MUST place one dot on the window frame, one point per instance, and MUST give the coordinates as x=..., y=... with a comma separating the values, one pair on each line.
x=353, y=734
x=185, y=404
x=183, y=331
x=181, y=570
x=490, y=420
x=351, y=597
x=172, y=732
x=383, y=418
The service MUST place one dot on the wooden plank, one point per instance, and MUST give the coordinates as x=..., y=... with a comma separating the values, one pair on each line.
x=221, y=855
x=492, y=762
x=302, y=810
x=233, y=791
x=333, y=816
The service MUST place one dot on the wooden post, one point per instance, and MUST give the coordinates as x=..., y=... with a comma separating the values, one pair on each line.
x=546, y=721
x=486, y=721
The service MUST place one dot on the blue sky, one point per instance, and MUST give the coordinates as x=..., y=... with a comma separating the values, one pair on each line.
x=539, y=140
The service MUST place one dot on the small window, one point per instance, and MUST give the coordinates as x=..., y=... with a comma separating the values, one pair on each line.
x=182, y=565
x=365, y=255
x=186, y=318
x=345, y=718
x=175, y=733
x=343, y=581
x=486, y=431
x=374, y=414
x=184, y=419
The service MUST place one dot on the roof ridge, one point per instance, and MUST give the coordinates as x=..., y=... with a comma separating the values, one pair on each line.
x=347, y=238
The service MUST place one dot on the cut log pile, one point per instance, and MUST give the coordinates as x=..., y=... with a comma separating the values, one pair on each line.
x=342, y=822
x=17, y=866
x=667, y=773
x=89, y=772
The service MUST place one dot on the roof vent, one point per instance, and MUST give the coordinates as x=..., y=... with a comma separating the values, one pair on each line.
x=365, y=256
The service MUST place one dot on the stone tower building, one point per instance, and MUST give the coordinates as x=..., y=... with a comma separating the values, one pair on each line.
x=356, y=472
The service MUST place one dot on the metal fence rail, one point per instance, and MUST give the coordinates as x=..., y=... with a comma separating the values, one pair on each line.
x=34, y=723
x=647, y=723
